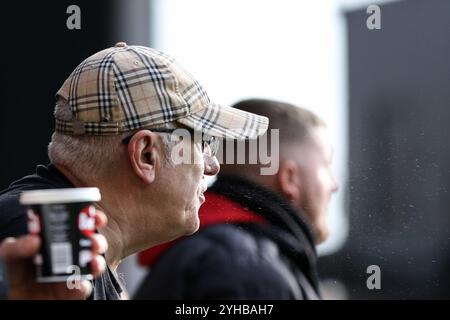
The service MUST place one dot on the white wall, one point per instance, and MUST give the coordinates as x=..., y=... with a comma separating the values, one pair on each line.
x=288, y=50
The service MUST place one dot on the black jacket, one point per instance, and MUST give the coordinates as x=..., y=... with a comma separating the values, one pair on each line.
x=13, y=222
x=274, y=260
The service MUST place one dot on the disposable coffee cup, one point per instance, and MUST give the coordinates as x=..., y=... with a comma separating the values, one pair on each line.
x=64, y=219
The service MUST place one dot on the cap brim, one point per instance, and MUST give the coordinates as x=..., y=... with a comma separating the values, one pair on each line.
x=226, y=122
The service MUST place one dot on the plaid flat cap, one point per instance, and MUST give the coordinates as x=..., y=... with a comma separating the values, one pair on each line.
x=124, y=88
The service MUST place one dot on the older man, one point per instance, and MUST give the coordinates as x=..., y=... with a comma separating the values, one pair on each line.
x=258, y=231
x=115, y=119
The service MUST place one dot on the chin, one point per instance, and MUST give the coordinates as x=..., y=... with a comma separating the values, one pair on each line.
x=192, y=224
x=192, y=230
x=322, y=236
x=321, y=232
x=191, y=220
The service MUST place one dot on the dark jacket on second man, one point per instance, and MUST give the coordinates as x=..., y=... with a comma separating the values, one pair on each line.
x=251, y=245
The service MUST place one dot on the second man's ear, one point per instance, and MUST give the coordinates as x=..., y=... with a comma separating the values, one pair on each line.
x=144, y=155
x=288, y=179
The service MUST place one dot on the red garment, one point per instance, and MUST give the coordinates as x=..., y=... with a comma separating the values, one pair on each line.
x=217, y=209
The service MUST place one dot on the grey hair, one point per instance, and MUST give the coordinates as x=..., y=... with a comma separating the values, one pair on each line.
x=90, y=156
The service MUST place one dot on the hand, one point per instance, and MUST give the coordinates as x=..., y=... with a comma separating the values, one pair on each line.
x=17, y=254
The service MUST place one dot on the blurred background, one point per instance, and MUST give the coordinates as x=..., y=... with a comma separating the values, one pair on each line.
x=384, y=93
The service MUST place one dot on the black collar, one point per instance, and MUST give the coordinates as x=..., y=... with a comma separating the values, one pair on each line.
x=297, y=239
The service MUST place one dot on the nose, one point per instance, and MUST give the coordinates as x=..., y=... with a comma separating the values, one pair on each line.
x=212, y=166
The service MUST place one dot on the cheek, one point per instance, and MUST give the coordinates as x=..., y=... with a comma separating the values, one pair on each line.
x=191, y=184
x=324, y=182
x=314, y=192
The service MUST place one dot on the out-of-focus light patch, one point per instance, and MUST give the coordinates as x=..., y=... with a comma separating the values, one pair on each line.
x=289, y=50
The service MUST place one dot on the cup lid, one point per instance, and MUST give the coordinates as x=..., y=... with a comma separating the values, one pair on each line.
x=66, y=195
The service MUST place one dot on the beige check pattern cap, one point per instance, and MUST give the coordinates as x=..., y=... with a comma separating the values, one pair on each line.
x=126, y=88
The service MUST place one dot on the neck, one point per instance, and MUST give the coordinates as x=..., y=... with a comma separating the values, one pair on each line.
x=113, y=232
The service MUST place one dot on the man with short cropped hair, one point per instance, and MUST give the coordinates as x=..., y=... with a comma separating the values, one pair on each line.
x=257, y=231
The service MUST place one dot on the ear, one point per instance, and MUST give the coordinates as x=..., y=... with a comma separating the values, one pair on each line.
x=144, y=155
x=288, y=179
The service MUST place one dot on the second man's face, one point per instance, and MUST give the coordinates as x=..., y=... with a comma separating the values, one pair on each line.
x=317, y=182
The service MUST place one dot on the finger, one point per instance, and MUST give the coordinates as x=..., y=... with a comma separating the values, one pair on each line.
x=78, y=290
x=82, y=291
x=100, y=219
x=17, y=248
x=99, y=244
x=98, y=265
x=86, y=288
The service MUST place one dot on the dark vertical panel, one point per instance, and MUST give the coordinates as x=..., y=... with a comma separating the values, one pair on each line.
x=37, y=53
x=399, y=90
